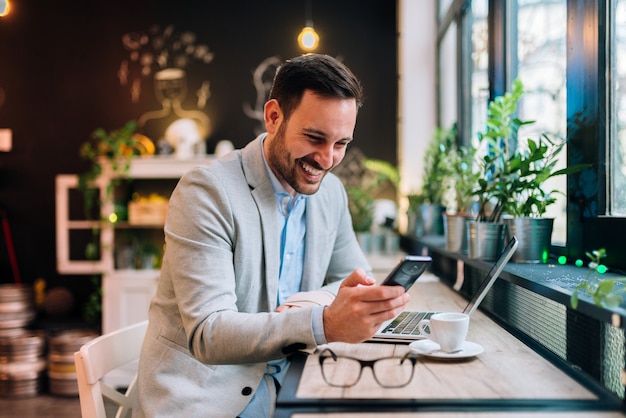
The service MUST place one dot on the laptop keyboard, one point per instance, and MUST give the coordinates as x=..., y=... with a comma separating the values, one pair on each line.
x=406, y=323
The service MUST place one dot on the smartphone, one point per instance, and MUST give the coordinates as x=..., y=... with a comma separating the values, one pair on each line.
x=406, y=272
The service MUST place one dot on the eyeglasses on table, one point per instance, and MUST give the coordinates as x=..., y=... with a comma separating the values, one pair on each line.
x=344, y=372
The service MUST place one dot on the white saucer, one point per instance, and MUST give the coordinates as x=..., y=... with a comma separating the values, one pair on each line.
x=431, y=349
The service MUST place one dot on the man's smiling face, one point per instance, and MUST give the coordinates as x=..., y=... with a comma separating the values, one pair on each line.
x=301, y=150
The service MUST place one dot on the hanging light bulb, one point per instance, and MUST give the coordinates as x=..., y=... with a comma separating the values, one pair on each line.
x=308, y=39
x=5, y=7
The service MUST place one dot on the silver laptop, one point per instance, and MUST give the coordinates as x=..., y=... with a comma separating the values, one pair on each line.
x=403, y=328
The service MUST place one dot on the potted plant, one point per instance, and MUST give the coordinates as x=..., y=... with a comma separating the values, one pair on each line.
x=106, y=150
x=362, y=197
x=361, y=206
x=463, y=178
x=436, y=181
x=415, y=220
x=512, y=182
x=115, y=148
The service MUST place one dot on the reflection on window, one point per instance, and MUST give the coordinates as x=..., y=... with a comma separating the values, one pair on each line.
x=480, y=62
x=447, y=73
x=444, y=5
x=617, y=135
x=541, y=55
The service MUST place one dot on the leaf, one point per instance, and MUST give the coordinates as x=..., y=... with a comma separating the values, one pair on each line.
x=613, y=301
x=605, y=287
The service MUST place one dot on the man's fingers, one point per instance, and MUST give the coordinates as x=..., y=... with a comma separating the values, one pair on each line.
x=358, y=277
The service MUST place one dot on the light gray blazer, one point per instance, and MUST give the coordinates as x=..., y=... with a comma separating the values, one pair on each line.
x=212, y=326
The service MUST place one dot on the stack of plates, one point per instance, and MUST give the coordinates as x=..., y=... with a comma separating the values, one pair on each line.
x=22, y=364
x=17, y=308
x=61, y=369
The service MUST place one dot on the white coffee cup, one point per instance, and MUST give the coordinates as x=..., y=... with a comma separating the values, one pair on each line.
x=448, y=329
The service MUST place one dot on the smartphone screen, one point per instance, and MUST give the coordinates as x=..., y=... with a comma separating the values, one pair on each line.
x=406, y=272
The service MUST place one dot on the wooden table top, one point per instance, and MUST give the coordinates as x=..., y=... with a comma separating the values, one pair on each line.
x=507, y=375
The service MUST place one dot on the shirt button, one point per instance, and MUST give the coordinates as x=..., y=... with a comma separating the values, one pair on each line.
x=246, y=391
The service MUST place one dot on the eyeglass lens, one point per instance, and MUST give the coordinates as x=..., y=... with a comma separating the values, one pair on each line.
x=389, y=372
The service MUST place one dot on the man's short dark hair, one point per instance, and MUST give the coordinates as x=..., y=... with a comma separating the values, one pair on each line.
x=322, y=74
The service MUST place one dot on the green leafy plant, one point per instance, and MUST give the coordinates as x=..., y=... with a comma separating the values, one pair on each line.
x=512, y=176
x=361, y=198
x=116, y=148
x=361, y=207
x=416, y=200
x=93, y=307
x=464, y=177
x=438, y=166
x=602, y=290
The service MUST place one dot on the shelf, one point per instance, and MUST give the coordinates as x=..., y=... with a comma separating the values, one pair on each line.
x=126, y=292
x=126, y=225
x=162, y=166
x=83, y=224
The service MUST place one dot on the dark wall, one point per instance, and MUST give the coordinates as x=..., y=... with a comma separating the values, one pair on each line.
x=60, y=79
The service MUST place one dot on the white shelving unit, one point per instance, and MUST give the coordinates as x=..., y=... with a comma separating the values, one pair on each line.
x=126, y=292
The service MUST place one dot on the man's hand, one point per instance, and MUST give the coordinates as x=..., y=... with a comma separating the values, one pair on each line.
x=361, y=307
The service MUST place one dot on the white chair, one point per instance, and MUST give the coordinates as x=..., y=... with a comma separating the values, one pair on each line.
x=100, y=356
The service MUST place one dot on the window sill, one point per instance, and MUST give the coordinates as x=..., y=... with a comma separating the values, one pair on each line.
x=532, y=301
x=550, y=280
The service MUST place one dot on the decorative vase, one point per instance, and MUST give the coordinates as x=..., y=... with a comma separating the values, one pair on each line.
x=455, y=230
x=534, y=236
x=485, y=239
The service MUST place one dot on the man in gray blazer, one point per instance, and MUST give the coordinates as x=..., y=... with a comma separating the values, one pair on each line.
x=252, y=242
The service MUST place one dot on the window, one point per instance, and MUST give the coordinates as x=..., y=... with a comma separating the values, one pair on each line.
x=479, y=65
x=541, y=66
x=447, y=79
x=571, y=58
x=617, y=146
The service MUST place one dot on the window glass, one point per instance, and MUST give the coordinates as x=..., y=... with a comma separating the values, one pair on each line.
x=480, y=63
x=447, y=83
x=541, y=66
x=617, y=135
x=444, y=5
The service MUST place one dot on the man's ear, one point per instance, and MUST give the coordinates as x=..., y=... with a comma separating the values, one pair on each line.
x=273, y=115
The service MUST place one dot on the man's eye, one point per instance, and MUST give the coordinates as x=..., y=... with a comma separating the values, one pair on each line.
x=315, y=138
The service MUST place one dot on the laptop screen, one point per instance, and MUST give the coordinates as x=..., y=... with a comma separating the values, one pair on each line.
x=490, y=279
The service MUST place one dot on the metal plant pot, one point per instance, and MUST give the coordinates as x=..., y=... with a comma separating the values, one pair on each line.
x=534, y=235
x=455, y=230
x=433, y=219
x=485, y=239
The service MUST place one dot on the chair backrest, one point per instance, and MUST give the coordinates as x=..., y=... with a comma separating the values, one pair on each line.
x=100, y=356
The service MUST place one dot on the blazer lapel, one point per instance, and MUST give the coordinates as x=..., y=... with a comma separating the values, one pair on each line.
x=263, y=194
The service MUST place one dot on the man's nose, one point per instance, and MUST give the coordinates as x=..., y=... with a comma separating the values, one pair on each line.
x=325, y=157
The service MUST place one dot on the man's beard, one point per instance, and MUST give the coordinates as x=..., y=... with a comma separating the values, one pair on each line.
x=288, y=169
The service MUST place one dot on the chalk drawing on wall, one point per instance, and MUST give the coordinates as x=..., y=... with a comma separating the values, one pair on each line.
x=160, y=59
x=262, y=78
